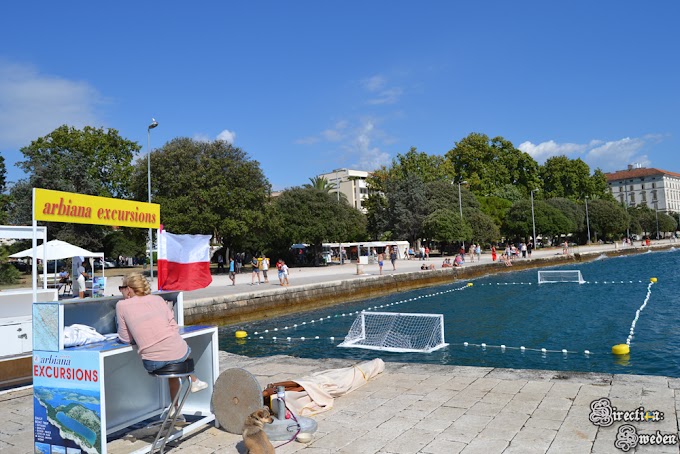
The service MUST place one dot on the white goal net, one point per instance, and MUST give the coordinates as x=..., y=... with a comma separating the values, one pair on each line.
x=396, y=332
x=547, y=277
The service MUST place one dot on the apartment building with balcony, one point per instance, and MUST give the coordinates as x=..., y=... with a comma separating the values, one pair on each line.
x=350, y=182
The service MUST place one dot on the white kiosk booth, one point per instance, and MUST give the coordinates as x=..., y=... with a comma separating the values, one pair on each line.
x=83, y=395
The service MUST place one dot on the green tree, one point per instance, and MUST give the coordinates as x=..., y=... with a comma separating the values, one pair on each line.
x=484, y=228
x=208, y=188
x=417, y=163
x=570, y=178
x=408, y=206
x=573, y=211
x=8, y=272
x=312, y=216
x=491, y=163
x=549, y=220
x=443, y=194
x=4, y=197
x=643, y=219
x=495, y=207
x=446, y=226
x=377, y=220
x=608, y=219
x=93, y=161
x=666, y=224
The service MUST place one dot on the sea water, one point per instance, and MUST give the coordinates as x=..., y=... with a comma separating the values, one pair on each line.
x=512, y=310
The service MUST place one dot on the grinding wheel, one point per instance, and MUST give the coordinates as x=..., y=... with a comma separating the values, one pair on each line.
x=236, y=395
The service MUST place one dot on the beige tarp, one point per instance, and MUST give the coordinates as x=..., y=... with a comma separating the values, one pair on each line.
x=322, y=387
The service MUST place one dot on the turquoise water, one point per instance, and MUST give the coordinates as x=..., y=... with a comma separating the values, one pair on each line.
x=511, y=309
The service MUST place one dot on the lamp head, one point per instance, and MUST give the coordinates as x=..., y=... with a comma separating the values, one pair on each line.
x=153, y=124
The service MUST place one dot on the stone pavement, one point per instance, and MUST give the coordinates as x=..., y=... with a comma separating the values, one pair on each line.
x=414, y=408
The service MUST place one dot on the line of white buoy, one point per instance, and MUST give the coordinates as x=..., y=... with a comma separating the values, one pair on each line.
x=347, y=314
x=586, y=282
x=522, y=348
x=483, y=346
x=637, y=312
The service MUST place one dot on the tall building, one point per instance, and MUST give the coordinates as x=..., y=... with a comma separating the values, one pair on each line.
x=654, y=188
x=350, y=182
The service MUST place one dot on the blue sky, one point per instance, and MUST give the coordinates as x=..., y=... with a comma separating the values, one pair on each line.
x=306, y=87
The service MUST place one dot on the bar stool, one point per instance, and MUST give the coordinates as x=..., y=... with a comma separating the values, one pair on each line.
x=178, y=370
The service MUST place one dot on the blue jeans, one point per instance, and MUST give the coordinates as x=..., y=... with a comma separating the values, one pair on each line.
x=151, y=365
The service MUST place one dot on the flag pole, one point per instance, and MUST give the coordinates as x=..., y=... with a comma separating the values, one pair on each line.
x=159, y=246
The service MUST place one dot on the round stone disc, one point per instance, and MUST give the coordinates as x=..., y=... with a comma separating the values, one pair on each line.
x=236, y=395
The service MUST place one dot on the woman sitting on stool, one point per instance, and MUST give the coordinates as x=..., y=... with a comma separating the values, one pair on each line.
x=146, y=320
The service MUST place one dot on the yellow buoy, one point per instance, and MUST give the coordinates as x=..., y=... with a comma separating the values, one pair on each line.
x=240, y=334
x=469, y=284
x=621, y=349
x=653, y=279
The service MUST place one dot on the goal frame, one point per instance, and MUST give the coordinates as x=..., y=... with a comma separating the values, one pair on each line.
x=549, y=272
x=355, y=342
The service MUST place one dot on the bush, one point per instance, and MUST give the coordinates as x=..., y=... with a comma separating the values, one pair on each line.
x=9, y=274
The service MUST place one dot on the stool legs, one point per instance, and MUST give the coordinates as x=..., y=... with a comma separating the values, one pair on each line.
x=173, y=412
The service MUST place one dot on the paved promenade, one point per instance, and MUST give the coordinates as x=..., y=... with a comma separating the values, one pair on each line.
x=414, y=408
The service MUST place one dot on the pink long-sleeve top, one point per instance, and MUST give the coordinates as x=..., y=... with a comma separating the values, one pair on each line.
x=149, y=321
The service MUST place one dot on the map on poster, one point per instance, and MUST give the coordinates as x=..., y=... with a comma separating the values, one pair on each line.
x=66, y=400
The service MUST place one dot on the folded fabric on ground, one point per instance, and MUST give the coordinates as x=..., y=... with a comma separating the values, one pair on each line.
x=76, y=335
x=322, y=387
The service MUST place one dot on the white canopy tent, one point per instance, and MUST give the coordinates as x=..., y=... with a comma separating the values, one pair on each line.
x=57, y=249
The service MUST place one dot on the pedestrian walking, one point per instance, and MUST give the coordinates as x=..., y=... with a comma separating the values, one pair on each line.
x=232, y=272
x=284, y=267
x=256, y=271
x=264, y=267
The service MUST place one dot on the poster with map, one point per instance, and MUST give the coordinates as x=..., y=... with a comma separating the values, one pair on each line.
x=67, y=402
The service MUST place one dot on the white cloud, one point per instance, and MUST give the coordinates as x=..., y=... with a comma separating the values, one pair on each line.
x=358, y=141
x=608, y=156
x=34, y=104
x=545, y=150
x=201, y=138
x=390, y=96
x=370, y=156
x=377, y=85
x=374, y=83
x=227, y=136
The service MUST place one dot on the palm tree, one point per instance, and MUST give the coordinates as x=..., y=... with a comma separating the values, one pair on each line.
x=322, y=184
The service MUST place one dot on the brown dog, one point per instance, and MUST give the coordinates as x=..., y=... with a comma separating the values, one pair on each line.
x=254, y=438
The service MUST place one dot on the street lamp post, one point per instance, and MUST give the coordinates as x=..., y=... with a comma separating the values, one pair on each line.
x=153, y=124
x=460, y=205
x=587, y=220
x=533, y=219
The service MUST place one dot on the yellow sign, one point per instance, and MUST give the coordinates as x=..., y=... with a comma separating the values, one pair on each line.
x=57, y=206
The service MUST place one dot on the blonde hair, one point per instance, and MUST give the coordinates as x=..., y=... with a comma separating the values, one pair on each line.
x=137, y=283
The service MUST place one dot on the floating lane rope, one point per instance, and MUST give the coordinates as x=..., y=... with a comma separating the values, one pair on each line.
x=483, y=346
x=348, y=314
x=624, y=349
x=586, y=282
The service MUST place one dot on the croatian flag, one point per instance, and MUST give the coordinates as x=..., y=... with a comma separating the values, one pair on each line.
x=183, y=261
